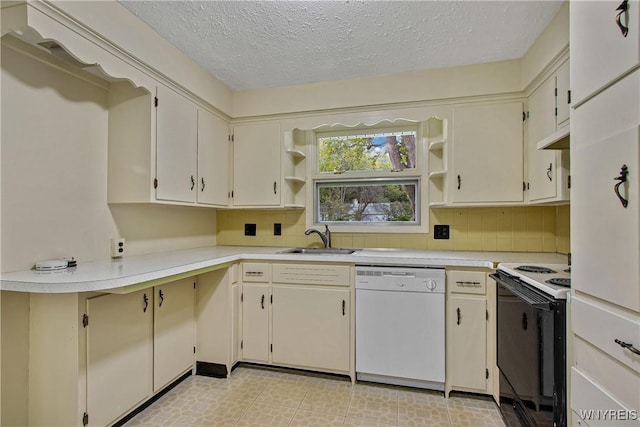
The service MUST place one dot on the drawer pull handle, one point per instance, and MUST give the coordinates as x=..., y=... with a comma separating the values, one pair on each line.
x=623, y=9
x=463, y=283
x=262, y=302
x=624, y=171
x=344, y=304
x=628, y=346
x=254, y=273
x=458, y=315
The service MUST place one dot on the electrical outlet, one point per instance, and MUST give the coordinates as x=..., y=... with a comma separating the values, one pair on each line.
x=249, y=229
x=117, y=247
x=441, y=231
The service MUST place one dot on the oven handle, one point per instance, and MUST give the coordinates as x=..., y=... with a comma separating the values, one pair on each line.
x=510, y=285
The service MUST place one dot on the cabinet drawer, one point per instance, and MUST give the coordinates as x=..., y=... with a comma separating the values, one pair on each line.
x=467, y=282
x=587, y=398
x=587, y=320
x=312, y=274
x=255, y=272
x=618, y=381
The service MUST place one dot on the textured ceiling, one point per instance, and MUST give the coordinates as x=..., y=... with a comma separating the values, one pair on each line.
x=256, y=44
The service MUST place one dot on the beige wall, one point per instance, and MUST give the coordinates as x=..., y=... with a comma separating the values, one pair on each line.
x=54, y=175
x=553, y=40
x=522, y=229
x=417, y=86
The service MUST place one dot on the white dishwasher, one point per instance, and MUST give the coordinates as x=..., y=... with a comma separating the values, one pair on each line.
x=400, y=326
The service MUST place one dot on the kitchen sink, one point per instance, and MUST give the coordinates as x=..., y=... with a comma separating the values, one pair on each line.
x=319, y=251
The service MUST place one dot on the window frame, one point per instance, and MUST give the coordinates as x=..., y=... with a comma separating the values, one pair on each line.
x=417, y=174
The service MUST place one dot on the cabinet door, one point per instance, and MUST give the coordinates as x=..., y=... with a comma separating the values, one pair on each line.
x=542, y=123
x=119, y=354
x=487, y=153
x=467, y=347
x=176, y=147
x=213, y=159
x=604, y=234
x=173, y=331
x=255, y=322
x=599, y=51
x=563, y=97
x=236, y=323
x=311, y=327
x=256, y=165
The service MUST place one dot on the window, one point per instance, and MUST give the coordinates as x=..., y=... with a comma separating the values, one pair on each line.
x=392, y=151
x=367, y=201
x=369, y=179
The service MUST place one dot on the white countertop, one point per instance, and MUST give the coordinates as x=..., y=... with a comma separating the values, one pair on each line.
x=113, y=275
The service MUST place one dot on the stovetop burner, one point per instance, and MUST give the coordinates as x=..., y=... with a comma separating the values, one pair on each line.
x=535, y=269
x=560, y=281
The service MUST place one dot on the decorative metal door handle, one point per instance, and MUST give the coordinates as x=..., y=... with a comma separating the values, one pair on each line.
x=344, y=303
x=161, y=296
x=624, y=171
x=145, y=298
x=193, y=182
x=628, y=346
x=202, y=181
x=275, y=187
x=623, y=9
x=549, y=170
x=262, y=302
x=459, y=181
x=458, y=315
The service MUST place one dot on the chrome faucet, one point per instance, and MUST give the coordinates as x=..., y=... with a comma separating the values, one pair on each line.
x=326, y=236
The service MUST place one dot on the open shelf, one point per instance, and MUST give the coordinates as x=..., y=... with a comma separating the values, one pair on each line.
x=296, y=154
x=295, y=168
x=437, y=161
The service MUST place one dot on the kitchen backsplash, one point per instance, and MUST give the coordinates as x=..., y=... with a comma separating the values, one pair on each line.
x=521, y=229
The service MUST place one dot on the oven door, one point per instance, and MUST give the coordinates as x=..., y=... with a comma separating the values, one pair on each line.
x=530, y=344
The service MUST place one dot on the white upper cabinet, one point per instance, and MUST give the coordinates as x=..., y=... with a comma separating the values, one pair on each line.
x=214, y=157
x=604, y=226
x=176, y=147
x=563, y=96
x=256, y=164
x=164, y=149
x=600, y=51
x=548, y=115
x=487, y=154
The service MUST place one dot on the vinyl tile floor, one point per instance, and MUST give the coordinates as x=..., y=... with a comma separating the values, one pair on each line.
x=257, y=396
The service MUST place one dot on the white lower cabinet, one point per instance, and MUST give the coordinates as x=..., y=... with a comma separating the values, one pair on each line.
x=119, y=354
x=311, y=327
x=255, y=322
x=173, y=331
x=470, y=326
x=467, y=337
x=215, y=324
x=136, y=344
x=298, y=315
